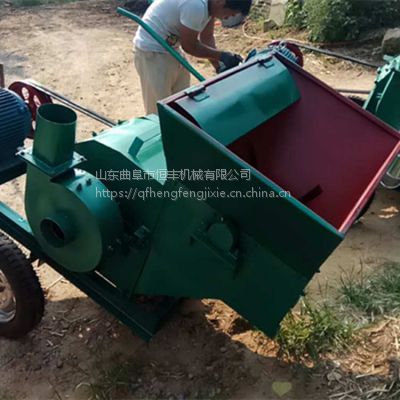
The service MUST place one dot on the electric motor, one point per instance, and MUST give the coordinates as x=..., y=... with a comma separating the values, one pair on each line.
x=15, y=124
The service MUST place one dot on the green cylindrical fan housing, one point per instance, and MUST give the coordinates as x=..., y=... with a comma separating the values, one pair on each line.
x=70, y=216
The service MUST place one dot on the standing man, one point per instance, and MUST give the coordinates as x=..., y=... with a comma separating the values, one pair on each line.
x=186, y=23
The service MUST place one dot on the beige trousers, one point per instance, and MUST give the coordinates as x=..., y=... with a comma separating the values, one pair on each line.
x=160, y=76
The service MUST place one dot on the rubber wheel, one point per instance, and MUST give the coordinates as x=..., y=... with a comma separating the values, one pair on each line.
x=357, y=99
x=21, y=296
x=360, y=101
x=366, y=207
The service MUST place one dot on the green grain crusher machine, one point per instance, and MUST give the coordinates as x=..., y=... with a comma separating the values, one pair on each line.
x=238, y=190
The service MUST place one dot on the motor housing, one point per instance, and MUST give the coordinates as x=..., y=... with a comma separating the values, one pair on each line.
x=15, y=124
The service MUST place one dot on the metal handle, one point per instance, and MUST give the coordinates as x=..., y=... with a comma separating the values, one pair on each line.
x=162, y=42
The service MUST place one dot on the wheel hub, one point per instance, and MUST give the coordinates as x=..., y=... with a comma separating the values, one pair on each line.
x=7, y=300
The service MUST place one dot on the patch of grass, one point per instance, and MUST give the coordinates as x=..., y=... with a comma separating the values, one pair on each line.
x=113, y=383
x=376, y=294
x=315, y=330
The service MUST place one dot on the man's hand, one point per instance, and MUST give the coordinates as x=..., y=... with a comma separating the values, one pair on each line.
x=192, y=45
x=229, y=61
x=205, y=48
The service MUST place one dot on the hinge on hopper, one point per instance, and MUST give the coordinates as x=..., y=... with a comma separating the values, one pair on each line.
x=197, y=93
x=266, y=61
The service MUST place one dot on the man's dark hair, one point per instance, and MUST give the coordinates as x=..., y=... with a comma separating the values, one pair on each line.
x=242, y=6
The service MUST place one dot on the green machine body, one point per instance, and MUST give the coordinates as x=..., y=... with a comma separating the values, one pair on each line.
x=238, y=191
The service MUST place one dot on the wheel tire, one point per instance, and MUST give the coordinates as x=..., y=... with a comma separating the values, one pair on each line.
x=26, y=289
x=357, y=99
x=360, y=101
x=366, y=207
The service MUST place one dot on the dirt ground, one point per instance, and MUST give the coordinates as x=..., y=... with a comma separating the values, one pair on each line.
x=84, y=51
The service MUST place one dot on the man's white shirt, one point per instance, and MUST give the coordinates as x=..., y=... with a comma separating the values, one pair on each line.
x=166, y=16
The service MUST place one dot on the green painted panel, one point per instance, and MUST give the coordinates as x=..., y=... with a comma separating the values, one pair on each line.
x=384, y=98
x=288, y=229
x=259, y=285
x=262, y=89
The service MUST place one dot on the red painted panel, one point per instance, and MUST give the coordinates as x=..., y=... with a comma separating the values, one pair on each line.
x=329, y=153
